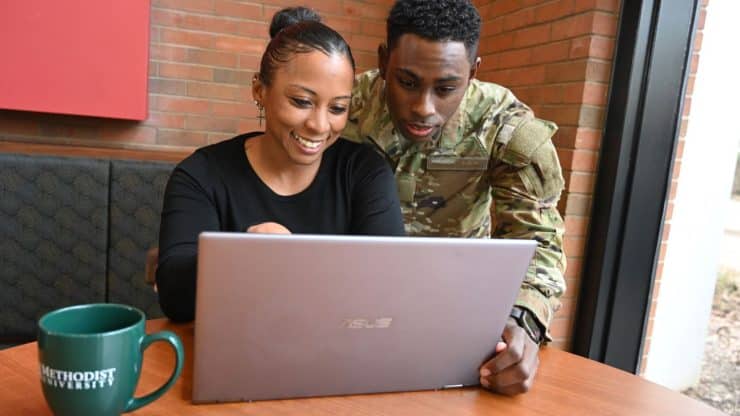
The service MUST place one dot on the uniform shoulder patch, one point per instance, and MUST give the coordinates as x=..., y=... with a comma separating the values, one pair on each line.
x=525, y=139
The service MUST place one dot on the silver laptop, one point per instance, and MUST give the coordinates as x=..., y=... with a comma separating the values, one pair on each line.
x=287, y=316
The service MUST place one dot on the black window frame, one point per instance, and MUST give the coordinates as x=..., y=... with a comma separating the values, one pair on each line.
x=649, y=77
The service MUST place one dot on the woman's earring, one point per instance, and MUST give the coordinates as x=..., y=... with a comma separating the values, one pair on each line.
x=260, y=107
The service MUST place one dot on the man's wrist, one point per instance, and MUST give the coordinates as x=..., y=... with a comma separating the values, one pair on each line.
x=528, y=322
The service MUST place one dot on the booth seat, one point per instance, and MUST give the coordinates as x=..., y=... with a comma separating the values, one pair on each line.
x=75, y=230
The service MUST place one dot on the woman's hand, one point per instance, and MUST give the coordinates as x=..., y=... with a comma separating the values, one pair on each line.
x=268, y=228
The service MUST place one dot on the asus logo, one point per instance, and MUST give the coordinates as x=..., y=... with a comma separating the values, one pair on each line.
x=367, y=323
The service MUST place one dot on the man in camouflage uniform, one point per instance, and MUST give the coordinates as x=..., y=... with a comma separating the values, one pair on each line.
x=470, y=161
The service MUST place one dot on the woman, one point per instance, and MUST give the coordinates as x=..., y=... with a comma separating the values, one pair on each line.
x=297, y=176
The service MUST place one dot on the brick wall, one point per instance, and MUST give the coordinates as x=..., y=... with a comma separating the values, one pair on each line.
x=655, y=298
x=203, y=54
x=556, y=56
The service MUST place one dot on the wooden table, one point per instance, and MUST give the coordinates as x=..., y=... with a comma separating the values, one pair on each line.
x=566, y=384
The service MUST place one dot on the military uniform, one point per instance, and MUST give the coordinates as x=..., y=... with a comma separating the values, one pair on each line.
x=492, y=171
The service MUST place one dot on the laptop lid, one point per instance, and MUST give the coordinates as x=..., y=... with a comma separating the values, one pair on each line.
x=286, y=316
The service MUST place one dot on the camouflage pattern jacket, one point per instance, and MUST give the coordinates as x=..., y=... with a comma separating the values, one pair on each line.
x=493, y=171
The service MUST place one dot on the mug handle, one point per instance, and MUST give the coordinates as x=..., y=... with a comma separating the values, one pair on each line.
x=174, y=340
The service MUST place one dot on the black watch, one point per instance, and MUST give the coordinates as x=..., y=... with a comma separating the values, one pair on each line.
x=526, y=320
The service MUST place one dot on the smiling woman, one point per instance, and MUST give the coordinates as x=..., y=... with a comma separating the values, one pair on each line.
x=298, y=176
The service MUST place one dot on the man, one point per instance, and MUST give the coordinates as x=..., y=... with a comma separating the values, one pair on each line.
x=470, y=161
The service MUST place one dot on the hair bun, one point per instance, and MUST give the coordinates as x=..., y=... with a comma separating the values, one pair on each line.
x=290, y=16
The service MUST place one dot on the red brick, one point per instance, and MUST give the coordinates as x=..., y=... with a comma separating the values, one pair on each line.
x=365, y=43
x=566, y=71
x=594, y=93
x=235, y=110
x=527, y=76
x=167, y=53
x=522, y=18
x=194, y=5
x=180, y=104
x=577, y=204
x=561, y=114
x=567, y=307
x=364, y=10
x=212, y=124
x=565, y=137
x=344, y=25
x=502, y=7
x=605, y=24
x=20, y=127
x=576, y=226
x=588, y=139
x=60, y=130
x=552, y=94
x=702, y=19
x=575, y=263
x=217, y=91
x=492, y=28
x=497, y=43
x=573, y=26
x=686, y=106
x=212, y=24
x=698, y=39
x=573, y=92
x=251, y=62
x=515, y=58
x=129, y=133
x=684, y=128
x=181, y=138
x=585, y=160
x=167, y=86
x=211, y=58
x=254, y=29
x=535, y=35
x=591, y=116
x=598, y=71
x=184, y=37
x=365, y=60
x=679, y=149
x=371, y=28
x=237, y=9
x=240, y=45
x=690, y=84
x=166, y=120
x=581, y=182
x=669, y=210
x=552, y=52
x=602, y=47
x=606, y=5
x=153, y=34
x=160, y=17
x=666, y=232
x=553, y=10
x=694, y=63
x=251, y=124
x=182, y=71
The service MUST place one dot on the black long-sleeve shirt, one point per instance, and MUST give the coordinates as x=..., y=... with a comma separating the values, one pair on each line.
x=216, y=189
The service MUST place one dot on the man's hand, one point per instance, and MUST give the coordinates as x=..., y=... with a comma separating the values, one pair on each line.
x=511, y=371
x=268, y=228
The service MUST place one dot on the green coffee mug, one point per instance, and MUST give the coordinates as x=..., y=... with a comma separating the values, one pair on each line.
x=90, y=359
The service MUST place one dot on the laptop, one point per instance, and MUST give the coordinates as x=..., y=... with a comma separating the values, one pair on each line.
x=288, y=316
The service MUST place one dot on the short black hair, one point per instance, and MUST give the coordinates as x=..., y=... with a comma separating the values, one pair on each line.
x=291, y=15
x=299, y=30
x=436, y=20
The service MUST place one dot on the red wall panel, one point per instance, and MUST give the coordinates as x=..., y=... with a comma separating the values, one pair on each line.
x=84, y=57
